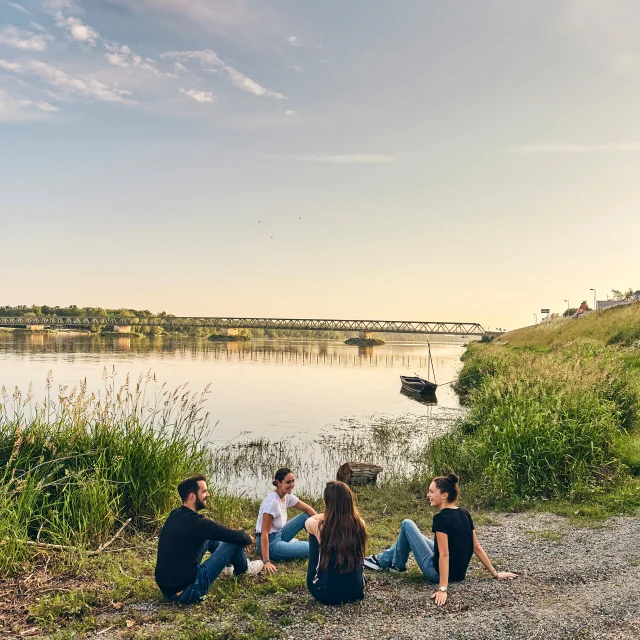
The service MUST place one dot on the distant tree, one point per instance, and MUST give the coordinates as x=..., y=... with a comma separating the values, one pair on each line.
x=621, y=295
x=570, y=312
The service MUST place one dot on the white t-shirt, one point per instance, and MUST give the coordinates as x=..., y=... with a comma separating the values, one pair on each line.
x=277, y=508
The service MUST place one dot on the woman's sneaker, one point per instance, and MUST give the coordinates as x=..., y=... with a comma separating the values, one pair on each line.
x=255, y=567
x=227, y=572
x=371, y=562
x=395, y=569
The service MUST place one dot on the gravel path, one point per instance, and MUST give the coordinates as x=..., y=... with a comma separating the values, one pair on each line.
x=575, y=583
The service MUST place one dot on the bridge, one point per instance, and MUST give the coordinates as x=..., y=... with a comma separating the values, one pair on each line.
x=233, y=324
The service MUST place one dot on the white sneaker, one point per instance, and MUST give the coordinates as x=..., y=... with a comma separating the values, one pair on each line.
x=227, y=572
x=255, y=567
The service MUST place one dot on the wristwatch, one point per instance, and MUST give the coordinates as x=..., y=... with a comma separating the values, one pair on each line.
x=443, y=589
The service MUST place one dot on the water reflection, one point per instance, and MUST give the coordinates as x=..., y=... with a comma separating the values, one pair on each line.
x=429, y=398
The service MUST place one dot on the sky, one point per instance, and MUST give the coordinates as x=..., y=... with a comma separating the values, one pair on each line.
x=410, y=160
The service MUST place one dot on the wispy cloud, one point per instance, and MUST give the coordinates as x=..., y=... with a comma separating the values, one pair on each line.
x=210, y=61
x=290, y=112
x=24, y=40
x=19, y=7
x=16, y=108
x=199, y=96
x=293, y=41
x=85, y=87
x=358, y=158
x=542, y=149
x=121, y=56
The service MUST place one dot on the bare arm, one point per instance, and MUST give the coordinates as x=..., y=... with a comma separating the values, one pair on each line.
x=440, y=597
x=312, y=525
x=267, y=521
x=484, y=558
x=305, y=508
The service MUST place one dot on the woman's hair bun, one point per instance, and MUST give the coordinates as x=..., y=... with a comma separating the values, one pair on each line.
x=274, y=483
x=453, y=478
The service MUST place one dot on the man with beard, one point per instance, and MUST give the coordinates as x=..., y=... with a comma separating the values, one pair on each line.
x=184, y=539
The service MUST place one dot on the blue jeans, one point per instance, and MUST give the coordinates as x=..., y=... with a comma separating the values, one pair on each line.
x=222, y=554
x=410, y=539
x=282, y=545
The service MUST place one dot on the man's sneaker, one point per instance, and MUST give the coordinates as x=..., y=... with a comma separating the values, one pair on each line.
x=371, y=562
x=394, y=569
x=227, y=572
x=255, y=567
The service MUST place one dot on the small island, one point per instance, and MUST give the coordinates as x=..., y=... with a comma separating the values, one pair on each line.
x=364, y=342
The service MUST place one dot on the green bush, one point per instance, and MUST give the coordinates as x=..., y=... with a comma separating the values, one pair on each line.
x=540, y=425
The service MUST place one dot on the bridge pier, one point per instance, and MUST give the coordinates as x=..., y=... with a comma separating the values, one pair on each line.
x=122, y=328
x=232, y=332
x=366, y=335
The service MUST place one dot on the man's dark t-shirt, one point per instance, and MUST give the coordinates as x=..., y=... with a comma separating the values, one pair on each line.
x=458, y=526
x=180, y=543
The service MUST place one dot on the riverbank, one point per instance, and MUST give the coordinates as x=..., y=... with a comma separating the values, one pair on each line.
x=568, y=571
x=549, y=470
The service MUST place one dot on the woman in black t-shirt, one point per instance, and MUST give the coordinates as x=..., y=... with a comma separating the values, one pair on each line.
x=337, y=540
x=447, y=558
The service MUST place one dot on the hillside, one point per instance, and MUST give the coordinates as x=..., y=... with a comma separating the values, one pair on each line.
x=620, y=325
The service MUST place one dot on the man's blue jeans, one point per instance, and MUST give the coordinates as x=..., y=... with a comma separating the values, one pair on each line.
x=222, y=554
x=410, y=539
x=282, y=545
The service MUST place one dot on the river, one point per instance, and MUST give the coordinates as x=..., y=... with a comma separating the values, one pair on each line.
x=307, y=396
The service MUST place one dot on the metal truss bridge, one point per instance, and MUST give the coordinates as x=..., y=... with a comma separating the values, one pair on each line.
x=362, y=326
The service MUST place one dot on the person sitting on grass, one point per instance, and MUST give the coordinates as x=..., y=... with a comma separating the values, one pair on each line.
x=275, y=537
x=337, y=541
x=184, y=539
x=447, y=558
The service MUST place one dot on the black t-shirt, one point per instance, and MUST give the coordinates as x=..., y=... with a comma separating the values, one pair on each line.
x=332, y=587
x=458, y=526
x=180, y=544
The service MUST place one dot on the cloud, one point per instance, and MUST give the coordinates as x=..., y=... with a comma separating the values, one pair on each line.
x=86, y=87
x=19, y=7
x=349, y=158
x=290, y=112
x=121, y=56
x=295, y=67
x=10, y=66
x=79, y=31
x=14, y=108
x=546, y=149
x=25, y=40
x=199, y=96
x=37, y=26
x=293, y=41
x=210, y=61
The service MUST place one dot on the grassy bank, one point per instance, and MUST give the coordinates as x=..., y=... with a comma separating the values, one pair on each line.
x=553, y=415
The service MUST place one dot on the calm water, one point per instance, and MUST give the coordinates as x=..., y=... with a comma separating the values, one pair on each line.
x=286, y=391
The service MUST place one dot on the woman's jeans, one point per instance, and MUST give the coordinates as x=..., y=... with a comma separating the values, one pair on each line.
x=222, y=554
x=410, y=539
x=283, y=545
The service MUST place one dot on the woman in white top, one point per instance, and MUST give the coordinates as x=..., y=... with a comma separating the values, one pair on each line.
x=275, y=537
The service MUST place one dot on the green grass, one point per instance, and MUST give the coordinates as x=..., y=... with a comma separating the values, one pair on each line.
x=620, y=325
x=543, y=424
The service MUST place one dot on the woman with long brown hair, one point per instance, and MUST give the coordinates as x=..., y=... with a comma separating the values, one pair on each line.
x=337, y=541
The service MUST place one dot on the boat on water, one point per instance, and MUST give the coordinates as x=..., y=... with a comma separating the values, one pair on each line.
x=415, y=384
x=419, y=386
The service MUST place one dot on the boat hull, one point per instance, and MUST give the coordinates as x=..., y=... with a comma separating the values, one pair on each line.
x=418, y=385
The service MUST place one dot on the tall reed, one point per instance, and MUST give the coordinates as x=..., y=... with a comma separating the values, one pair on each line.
x=75, y=466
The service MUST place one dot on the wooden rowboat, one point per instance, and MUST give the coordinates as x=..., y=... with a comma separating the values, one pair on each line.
x=415, y=384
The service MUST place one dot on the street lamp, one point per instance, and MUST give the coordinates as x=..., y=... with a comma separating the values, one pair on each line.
x=594, y=298
x=567, y=307
x=535, y=317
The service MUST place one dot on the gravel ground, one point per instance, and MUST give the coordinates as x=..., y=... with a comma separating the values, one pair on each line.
x=575, y=583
